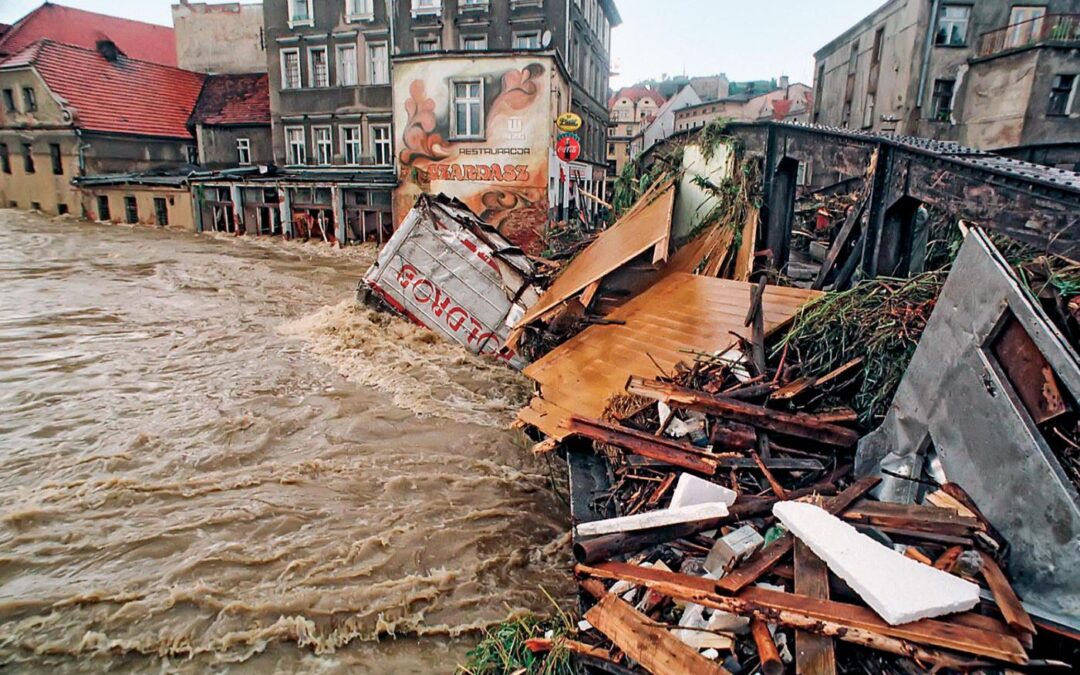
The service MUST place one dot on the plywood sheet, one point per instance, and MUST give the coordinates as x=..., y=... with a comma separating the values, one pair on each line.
x=647, y=225
x=680, y=312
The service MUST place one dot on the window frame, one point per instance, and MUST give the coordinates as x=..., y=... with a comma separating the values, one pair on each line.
x=434, y=8
x=935, y=99
x=387, y=143
x=943, y=21
x=385, y=61
x=427, y=39
x=351, y=146
x=293, y=21
x=311, y=52
x=161, y=211
x=289, y=146
x=299, y=69
x=56, y=157
x=28, y=159
x=481, y=38
x=479, y=101
x=104, y=214
x=319, y=145
x=5, y=159
x=518, y=35
x=9, y=101
x=1016, y=37
x=473, y=6
x=342, y=66
x=352, y=17
x=29, y=99
x=1070, y=99
x=131, y=210
x=243, y=152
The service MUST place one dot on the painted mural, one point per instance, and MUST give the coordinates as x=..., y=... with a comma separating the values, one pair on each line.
x=480, y=130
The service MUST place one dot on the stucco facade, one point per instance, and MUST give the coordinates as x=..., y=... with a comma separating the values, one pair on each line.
x=149, y=205
x=219, y=38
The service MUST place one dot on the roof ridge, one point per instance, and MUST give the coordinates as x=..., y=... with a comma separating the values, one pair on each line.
x=91, y=50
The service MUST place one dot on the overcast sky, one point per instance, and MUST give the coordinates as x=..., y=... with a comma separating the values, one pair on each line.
x=746, y=39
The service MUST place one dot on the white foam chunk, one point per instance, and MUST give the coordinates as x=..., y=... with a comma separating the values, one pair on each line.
x=691, y=490
x=642, y=521
x=898, y=588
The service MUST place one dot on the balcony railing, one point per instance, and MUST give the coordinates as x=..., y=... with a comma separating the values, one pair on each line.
x=1046, y=28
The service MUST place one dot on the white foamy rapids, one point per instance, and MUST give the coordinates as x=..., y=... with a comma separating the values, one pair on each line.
x=420, y=371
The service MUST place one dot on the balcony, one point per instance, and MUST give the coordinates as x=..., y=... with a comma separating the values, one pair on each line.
x=1049, y=28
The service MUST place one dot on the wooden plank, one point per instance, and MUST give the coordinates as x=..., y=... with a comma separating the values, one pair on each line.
x=682, y=455
x=846, y=622
x=796, y=425
x=655, y=648
x=766, y=648
x=911, y=518
x=1004, y=597
x=839, y=243
x=760, y=562
x=814, y=654
x=744, y=257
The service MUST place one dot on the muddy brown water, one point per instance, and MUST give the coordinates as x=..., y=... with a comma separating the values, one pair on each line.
x=211, y=460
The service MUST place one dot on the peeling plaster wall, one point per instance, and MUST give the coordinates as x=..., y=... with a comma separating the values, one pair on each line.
x=225, y=38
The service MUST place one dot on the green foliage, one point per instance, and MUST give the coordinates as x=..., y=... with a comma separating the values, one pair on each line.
x=712, y=136
x=503, y=651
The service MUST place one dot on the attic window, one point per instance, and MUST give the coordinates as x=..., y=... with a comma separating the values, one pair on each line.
x=108, y=50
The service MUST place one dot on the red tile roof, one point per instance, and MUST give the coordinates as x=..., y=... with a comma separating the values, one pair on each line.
x=234, y=99
x=635, y=94
x=139, y=40
x=122, y=96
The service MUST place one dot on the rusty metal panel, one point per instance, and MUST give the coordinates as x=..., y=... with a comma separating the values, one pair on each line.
x=447, y=270
x=680, y=312
x=644, y=227
x=957, y=398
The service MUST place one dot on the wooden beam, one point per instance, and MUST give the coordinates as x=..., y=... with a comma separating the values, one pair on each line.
x=846, y=622
x=797, y=425
x=543, y=645
x=766, y=648
x=760, y=562
x=1004, y=597
x=839, y=243
x=814, y=654
x=682, y=455
x=654, y=647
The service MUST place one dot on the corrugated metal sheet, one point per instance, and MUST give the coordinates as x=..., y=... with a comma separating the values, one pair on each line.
x=647, y=226
x=449, y=271
x=680, y=312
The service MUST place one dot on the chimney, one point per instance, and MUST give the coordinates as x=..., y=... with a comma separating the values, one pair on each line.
x=108, y=50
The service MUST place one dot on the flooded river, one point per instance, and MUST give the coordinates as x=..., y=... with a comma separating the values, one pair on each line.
x=210, y=460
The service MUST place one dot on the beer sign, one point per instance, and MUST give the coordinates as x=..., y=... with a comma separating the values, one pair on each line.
x=568, y=122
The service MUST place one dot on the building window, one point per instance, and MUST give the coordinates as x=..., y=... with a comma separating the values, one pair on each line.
x=191, y=152
x=318, y=68
x=104, y=214
x=378, y=64
x=29, y=99
x=300, y=13
x=9, y=101
x=324, y=145
x=1025, y=25
x=868, y=112
x=1062, y=94
x=358, y=10
x=527, y=40
x=346, y=66
x=474, y=43
x=467, y=109
x=426, y=7
x=474, y=5
x=952, y=30
x=57, y=162
x=5, y=158
x=351, y=147
x=28, y=158
x=942, y=102
x=290, y=69
x=131, y=210
x=426, y=45
x=382, y=147
x=161, y=211
x=243, y=151
x=295, y=147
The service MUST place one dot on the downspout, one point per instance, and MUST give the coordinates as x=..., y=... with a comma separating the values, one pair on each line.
x=391, y=8
x=927, y=50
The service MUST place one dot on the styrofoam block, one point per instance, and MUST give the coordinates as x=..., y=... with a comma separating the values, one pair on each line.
x=898, y=588
x=642, y=521
x=733, y=547
x=691, y=490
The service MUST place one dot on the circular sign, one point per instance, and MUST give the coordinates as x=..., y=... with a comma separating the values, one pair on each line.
x=568, y=122
x=568, y=149
x=568, y=134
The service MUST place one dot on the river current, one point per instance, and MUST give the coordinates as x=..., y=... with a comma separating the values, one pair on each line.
x=212, y=460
